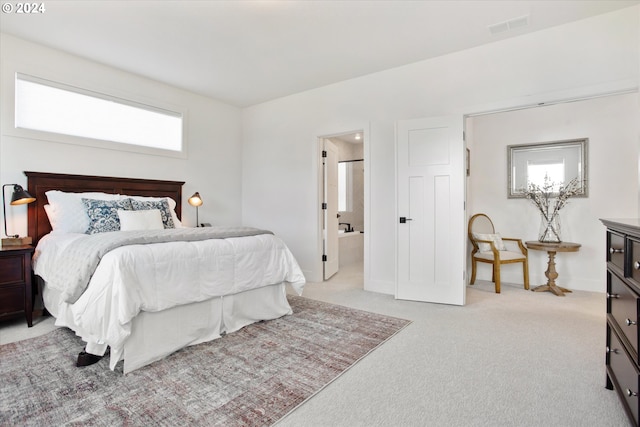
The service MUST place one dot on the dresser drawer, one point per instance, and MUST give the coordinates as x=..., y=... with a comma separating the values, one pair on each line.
x=623, y=306
x=11, y=269
x=615, y=250
x=625, y=374
x=633, y=247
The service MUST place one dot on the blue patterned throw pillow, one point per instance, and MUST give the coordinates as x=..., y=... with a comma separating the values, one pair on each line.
x=103, y=214
x=161, y=205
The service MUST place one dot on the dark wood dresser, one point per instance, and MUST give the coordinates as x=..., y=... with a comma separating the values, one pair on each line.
x=623, y=297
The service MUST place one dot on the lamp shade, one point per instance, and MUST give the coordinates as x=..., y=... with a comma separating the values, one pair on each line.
x=20, y=196
x=195, y=200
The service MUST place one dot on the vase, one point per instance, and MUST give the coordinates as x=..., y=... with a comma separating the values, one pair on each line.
x=549, y=229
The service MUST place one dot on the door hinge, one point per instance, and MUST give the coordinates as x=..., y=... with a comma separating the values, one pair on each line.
x=324, y=153
x=324, y=206
x=324, y=258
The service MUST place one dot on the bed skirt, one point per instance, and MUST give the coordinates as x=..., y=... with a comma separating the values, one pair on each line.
x=155, y=335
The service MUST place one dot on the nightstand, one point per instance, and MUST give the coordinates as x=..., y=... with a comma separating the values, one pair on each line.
x=16, y=292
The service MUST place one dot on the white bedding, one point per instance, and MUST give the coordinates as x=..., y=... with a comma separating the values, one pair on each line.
x=156, y=277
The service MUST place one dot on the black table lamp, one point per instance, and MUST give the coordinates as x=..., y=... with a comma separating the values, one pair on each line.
x=18, y=197
x=196, y=201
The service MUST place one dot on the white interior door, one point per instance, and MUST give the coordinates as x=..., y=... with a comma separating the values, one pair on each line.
x=431, y=219
x=330, y=208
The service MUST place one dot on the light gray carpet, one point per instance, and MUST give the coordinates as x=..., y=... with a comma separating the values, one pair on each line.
x=518, y=358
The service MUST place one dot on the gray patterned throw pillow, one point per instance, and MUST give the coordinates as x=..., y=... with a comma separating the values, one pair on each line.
x=103, y=214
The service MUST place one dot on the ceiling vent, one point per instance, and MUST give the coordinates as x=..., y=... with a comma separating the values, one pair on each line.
x=511, y=24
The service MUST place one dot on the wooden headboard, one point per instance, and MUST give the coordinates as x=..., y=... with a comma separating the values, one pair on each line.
x=38, y=183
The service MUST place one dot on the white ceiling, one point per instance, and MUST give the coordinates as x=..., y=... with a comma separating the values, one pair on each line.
x=247, y=52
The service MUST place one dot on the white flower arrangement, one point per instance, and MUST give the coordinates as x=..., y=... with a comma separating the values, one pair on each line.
x=550, y=198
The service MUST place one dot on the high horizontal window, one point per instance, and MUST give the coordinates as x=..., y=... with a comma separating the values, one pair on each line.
x=47, y=106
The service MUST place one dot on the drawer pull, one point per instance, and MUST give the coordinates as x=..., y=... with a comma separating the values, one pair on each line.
x=630, y=322
x=636, y=265
x=612, y=350
x=631, y=393
x=616, y=251
x=613, y=296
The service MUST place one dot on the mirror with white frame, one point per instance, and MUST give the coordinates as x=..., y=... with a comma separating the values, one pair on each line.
x=559, y=162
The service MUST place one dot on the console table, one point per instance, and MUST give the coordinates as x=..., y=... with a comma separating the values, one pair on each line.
x=551, y=273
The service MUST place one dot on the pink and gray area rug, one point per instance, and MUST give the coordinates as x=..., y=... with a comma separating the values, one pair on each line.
x=252, y=377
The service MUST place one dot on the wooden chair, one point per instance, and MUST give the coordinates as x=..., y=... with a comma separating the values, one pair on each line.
x=489, y=247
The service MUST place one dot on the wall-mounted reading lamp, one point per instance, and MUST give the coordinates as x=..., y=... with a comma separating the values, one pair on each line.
x=196, y=201
x=18, y=197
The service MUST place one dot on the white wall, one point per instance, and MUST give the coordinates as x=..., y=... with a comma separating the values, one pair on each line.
x=271, y=179
x=280, y=178
x=612, y=126
x=211, y=167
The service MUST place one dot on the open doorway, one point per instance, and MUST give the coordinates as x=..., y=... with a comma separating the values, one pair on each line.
x=342, y=201
x=610, y=122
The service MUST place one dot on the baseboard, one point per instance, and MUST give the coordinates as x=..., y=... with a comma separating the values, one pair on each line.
x=380, y=286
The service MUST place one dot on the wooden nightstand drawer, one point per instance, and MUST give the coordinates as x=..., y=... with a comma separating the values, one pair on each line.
x=11, y=269
x=625, y=376
x=11, y=299
x=16, y=287
x=623, y=306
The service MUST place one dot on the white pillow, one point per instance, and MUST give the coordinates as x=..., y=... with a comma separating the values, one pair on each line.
x=172, y=206
x=66, y=211
x=150, y=219
x=495, y=238
x=53, y=219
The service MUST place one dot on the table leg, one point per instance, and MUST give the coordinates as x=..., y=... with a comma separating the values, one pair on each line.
x=551, y=275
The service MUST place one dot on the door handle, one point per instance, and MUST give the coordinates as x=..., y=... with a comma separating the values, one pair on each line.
x=404, y=219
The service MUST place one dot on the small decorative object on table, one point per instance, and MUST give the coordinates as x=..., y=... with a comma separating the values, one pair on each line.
x=549, y=199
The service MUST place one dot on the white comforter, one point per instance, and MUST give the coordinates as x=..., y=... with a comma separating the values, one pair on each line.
x=154, y=277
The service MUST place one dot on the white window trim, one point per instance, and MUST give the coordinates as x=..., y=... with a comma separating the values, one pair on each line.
x=8, y=119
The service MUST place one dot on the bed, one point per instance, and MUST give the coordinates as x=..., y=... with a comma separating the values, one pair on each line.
x=140, y=295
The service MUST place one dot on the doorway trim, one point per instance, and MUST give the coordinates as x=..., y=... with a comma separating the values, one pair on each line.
x=552, y=98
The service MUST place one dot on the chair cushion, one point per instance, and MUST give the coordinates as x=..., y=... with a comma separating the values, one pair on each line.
x=504, y=256
x=495, y=238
